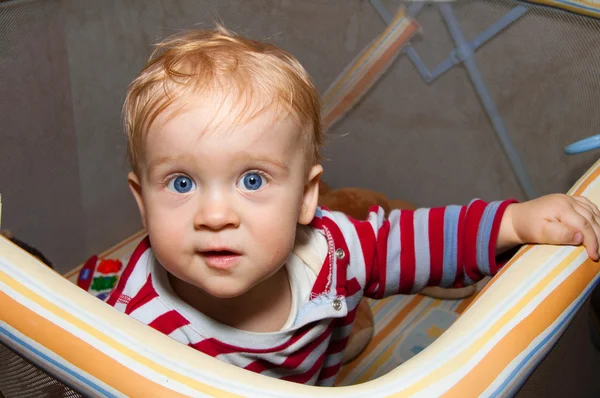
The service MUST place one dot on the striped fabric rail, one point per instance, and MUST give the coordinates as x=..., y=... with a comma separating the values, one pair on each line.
x=364, y=71
x=421, y=346
x=488, y=351
x=590, y=8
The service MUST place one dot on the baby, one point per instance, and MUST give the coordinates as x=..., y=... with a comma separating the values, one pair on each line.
x=240, y=262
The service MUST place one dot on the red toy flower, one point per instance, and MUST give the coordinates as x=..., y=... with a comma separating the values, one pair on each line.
x=109, y=266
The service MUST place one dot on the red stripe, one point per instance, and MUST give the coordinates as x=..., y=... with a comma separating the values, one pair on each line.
x=316, y=221
x=352, y=287
x=330, y=371
x=294, y=360
x=407, y=253
x=347, y=320
x=338, y=345
x=168, y=322
x=322, y=279
x=460, y=277
x=341, y=265
x=145, y=294
x=436, y=245
x=304, y=377
x=320, y=285
x=367, y=239
x=215, y=347
x=379, y=275
x=137, y=253
x=88, y=271
x=259, y=366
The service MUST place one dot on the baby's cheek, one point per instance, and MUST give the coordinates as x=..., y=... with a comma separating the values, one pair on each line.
x=274, y=229
x=278, y=252
x=165, y=235
x=280, y=242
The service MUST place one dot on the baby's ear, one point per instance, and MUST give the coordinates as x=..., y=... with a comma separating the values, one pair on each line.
x=136, y=189
x=310, y=196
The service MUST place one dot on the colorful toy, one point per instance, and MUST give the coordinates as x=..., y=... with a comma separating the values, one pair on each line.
x=99, y=276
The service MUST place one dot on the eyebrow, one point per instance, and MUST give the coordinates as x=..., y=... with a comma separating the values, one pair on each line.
x=266, y=159
x=262, y=159
x=163, y=160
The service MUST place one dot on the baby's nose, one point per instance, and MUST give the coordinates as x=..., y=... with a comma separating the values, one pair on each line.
x=215, y=215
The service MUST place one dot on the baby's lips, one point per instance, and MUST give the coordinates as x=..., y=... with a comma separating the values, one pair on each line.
x=219, y=251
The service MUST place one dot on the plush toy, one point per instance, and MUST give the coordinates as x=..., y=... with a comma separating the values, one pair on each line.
x=356, y=202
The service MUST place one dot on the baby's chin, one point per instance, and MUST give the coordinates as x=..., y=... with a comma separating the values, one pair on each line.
x=228, y=295
x=192, y=291
x=225, y=289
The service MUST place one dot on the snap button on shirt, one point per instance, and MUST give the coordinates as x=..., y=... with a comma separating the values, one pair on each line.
x=337, y=304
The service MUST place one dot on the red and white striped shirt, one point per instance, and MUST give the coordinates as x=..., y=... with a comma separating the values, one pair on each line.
x=449, y=246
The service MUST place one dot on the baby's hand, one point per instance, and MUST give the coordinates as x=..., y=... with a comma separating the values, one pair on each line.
x=553, y=219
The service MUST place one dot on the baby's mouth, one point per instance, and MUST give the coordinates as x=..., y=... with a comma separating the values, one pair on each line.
x=220, y=259
x=219, y=253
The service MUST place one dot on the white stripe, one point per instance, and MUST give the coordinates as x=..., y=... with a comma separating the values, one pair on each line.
x=422, y=255
x=149, y=311
x=354, y=300
x=333, y=359
x=356, y=253
x=306, y=364
x=394, y=248
x=120, y=306
x=191, y=335
x=138, y=277
x=278, y=357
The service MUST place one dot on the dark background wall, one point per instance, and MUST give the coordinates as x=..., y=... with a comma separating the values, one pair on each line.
x=65, y=64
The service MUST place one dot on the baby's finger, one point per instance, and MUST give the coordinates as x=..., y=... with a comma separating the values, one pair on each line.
x=585, y=210
x=588, y=203
x=576, y=220
x=560, y=233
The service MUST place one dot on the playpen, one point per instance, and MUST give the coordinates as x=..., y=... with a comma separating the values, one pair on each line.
x=63, y=340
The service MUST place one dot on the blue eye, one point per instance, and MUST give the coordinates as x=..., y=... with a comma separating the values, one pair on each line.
x=181, y=184
x=252, y=181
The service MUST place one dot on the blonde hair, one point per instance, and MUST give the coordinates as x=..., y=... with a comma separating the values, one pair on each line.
x=201, y=61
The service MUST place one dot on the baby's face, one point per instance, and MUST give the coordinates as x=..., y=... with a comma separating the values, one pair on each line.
x=221, y=207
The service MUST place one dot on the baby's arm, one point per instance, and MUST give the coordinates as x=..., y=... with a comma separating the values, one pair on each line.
x=449, y=246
